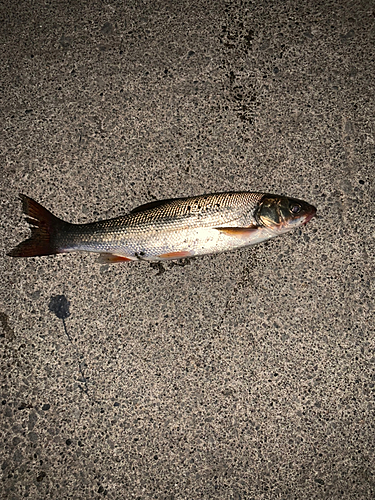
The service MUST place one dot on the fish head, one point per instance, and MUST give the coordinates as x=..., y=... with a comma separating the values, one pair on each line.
x=282, y=213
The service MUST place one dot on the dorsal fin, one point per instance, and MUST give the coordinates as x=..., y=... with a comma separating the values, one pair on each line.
x=152, y=204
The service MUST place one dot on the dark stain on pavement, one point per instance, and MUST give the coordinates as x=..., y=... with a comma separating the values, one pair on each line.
x=59, y=305
x=8, y=331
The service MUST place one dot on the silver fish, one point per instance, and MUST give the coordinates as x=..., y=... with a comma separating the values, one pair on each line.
x=168, y=229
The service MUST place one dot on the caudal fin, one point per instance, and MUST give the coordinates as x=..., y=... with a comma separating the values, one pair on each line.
x=45, y=227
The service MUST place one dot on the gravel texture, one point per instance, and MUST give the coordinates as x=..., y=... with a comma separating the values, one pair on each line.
x=246, y=375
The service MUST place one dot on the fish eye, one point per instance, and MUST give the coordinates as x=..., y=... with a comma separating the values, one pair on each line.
x=295, y=208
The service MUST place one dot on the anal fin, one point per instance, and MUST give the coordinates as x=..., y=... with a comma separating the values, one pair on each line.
x=110, y=258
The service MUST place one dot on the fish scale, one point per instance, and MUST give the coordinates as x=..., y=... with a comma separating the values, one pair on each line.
x=168, y=229
x=163, y=227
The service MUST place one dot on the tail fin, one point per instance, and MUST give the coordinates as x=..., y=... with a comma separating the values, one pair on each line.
x=43, y=235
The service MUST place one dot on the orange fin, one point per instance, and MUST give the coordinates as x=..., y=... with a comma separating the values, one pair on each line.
x=110, y=258
x=45, y=227
x=175, y=255
x=238, y=232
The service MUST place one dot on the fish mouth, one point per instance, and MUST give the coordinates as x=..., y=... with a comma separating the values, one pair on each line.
x=310, y=215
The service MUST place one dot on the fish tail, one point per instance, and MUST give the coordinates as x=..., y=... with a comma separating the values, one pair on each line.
x=44, y=229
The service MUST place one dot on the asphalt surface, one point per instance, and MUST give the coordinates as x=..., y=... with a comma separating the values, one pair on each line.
x=246, y=375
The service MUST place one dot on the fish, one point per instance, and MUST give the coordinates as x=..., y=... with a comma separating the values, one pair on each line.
x=168, y=229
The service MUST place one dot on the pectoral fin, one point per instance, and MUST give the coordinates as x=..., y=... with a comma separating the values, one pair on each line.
x=238, y=232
